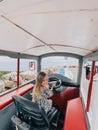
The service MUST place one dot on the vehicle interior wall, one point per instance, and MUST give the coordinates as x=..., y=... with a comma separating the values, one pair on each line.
x=7, y=112
x=84, y=84
x=84, y=90
x=94, y=105
x=92, y=114
x=5, y=117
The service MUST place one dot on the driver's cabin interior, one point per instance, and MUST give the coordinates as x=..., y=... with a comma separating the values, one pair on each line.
x=59, y=38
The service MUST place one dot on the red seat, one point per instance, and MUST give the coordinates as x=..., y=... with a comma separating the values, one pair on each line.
x=61, y=98
x=75, y=117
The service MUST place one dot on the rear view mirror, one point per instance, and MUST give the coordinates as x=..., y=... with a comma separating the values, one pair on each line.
x=88, y=71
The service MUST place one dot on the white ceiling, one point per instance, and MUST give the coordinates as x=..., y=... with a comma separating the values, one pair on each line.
x=37, y=27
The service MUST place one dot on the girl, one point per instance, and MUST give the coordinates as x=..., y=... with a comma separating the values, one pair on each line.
x=41, y=92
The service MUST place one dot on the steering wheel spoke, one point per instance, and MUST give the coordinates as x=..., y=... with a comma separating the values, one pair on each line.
x=55, y=82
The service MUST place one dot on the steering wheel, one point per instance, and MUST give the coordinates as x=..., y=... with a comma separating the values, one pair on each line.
x=54, y=82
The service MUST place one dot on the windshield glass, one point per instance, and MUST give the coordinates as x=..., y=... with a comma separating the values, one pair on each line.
x=66, y=66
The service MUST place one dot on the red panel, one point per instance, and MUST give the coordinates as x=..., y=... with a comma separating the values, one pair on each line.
x=18, y=71
x=90, y=86
x=61, y=98
x=75, y=118
x=7, y=98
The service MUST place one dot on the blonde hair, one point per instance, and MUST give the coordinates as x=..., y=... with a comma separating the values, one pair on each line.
x=38, y=87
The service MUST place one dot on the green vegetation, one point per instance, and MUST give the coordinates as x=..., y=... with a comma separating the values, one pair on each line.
x=3, y=72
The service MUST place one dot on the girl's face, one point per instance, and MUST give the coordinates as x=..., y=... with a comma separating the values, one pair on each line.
x=45, y=82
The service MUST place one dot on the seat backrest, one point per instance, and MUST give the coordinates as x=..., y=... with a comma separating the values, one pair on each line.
x=31, y=113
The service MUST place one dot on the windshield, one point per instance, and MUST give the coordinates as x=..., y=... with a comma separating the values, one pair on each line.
x=66, y=66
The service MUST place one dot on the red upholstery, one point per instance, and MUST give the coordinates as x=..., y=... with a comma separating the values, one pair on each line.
x=75, y=118
x=61, y=98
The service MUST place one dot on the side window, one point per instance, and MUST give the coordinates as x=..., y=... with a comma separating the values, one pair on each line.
x=85, y=86
x=8, y=68
x=96, y=72
x=86, y=73
x=8, y=73
x=88, y=70
x=28, y=70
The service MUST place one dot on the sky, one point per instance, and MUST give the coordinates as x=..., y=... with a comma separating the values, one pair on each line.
x=59, y=61
x=10, y=64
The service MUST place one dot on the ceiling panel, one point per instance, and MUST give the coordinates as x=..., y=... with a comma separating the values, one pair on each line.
x=15, y=39
x=39, y=50
x=30, y=25
x=72, y=50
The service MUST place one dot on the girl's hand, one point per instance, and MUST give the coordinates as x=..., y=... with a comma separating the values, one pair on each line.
x=51, y=87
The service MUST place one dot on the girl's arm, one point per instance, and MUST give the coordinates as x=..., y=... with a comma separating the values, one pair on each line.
x=48, y=92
